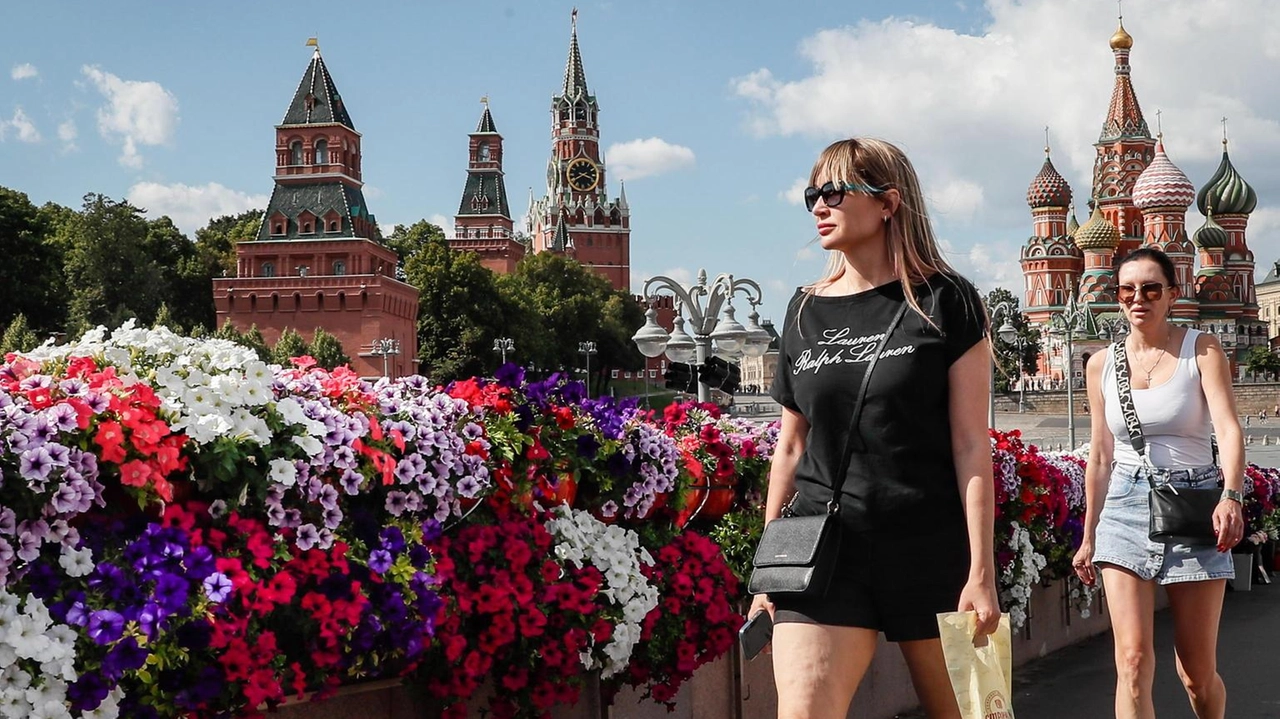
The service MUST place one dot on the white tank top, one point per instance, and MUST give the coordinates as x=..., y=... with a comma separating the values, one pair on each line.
x=1174, y=414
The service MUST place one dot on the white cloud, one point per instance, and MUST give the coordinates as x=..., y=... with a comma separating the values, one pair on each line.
x=24, y=71
x=794, y=195
x=643, y=158
x=970, y=108
x=137, y=113
x=20, y=127
x=67, y=133
x=987, y=265
x=444, y=223
x=192, y=206
x=682, y=276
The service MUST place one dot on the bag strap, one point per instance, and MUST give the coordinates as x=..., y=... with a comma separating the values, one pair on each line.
x=853, y=435
x=1127, y=409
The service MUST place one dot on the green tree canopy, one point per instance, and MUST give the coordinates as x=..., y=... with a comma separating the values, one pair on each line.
x=327, y=351
x=30, y=273
x=216, y=241
x=289, y=345
x=1261, y=360
x=164, y=318
x=18, y=337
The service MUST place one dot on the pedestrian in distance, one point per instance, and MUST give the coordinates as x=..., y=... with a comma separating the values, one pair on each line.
x=916, y=505
x=1181, y=391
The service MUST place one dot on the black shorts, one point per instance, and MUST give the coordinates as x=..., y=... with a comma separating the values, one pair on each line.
x=892, y=583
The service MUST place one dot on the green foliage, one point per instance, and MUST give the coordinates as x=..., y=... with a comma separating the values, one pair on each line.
x=1007, y=355
x=30, y=274
x=252, y=339
x=164, y=318
x=18, y=337
x=289, y=345
x=1261, y=360
x=738, y=533
x=327, y=351
x=216, y=242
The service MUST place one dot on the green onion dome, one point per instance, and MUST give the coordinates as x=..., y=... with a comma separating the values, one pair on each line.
x=1211, y=235
x=1226, y=192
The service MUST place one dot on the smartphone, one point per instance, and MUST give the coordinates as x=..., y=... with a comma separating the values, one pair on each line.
x=756, y=634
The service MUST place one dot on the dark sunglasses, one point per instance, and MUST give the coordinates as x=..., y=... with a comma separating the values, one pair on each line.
x=832, y=195
x=1151, y=291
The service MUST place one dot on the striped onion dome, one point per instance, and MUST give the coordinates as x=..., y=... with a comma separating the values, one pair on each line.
x=1226, y=192
x=1049, y=188
x=1162, y=184
x=1098, y=233
x=1211, y=235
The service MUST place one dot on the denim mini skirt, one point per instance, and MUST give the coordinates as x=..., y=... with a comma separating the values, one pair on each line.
x=1122, y=539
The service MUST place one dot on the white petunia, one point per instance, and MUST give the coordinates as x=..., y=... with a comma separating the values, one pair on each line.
x=283, y=472
x=76, y=562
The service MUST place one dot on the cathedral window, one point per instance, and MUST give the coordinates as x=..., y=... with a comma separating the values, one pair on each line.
x=268, y=269
x=339, y=267
x=295, y=153
x=484, y=152
x=322, y=152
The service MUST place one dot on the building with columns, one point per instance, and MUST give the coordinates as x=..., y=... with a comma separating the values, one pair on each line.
x=318, y=260
x=1139, y=198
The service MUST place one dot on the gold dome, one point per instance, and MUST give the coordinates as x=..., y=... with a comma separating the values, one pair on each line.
x=1122, y=40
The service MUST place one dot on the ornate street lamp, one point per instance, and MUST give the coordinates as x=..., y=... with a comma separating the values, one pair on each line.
x=504, y=345
x=703, y=303
x=1072, y=320
x=587, y=349
x=385, y=347
x=1006, y=332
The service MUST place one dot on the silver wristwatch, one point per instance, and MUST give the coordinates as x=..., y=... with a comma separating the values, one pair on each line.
x=1233, y=495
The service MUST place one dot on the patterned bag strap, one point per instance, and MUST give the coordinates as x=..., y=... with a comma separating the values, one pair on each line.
x=853, y=436
x=1127, y=409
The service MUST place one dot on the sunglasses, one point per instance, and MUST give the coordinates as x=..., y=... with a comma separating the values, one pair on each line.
x=1151, y=291
x=832, y=195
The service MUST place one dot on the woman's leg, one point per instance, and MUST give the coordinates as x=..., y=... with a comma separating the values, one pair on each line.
x=817, y=668
x=930, y=678
x=1197, y=607
x=1131, y=604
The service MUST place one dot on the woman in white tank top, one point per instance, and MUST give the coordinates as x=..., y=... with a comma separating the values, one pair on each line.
x=1181, y=386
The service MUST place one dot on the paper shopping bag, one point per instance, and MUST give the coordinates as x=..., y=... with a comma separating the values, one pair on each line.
x=980, y=675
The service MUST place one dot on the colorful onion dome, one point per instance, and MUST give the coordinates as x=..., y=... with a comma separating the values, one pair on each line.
x=1226, y=192
x=1049, y=188
x=1162, y=184
x=1211, y=235
x=1122, y=40
x=1072, y=224
x=1098, y=233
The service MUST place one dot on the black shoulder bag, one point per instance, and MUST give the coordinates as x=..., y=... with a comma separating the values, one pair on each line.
x=797, y=555
x=1180, y=515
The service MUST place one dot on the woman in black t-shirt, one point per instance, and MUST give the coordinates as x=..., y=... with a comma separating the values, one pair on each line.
x=917, y=503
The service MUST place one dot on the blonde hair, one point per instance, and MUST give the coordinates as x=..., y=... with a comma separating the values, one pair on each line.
x=913, y=247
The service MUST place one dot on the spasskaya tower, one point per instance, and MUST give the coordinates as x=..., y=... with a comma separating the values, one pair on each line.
x=576, y=217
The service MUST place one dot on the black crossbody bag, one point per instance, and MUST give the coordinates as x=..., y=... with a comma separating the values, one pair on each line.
x=797, y=555
x=1180, y=515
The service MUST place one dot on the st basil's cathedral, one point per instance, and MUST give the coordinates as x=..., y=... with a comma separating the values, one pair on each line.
x=1139, y=198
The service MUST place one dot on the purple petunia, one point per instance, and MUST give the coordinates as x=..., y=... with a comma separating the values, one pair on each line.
x=35, y=464
x=380, y=560
x=308, y=536
x=217, y=587
x=105, y=626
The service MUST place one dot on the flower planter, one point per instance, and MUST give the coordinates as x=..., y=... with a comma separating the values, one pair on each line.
x=1244, y=572
x=387, y=699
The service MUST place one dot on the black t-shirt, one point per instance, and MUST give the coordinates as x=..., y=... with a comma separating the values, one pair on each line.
x=904, y=479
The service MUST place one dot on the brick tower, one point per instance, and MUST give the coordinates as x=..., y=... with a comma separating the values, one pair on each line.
x=318, y=260
x=1125, y=148
x=576, y=216
x=483, y=224
x=1051, y=262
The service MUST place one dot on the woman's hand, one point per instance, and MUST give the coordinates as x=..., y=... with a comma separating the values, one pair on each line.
x=758, y=603
x=1228, y=524
x=979, y=596
x=1083, y=563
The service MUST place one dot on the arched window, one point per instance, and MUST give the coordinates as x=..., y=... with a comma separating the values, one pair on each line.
x=484, y=152
x=295, y=153
x=339, y=267
x=333, y=225
x=268, y=269
x=322, y=152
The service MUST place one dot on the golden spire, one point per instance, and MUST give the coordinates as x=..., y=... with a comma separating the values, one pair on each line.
x=1122, y=40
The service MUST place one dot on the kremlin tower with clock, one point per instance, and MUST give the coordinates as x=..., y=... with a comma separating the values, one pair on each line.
x=576, y=217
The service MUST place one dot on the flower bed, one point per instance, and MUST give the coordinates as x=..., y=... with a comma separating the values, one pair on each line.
x=187, y=531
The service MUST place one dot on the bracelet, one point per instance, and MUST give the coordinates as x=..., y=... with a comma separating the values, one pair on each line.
x=1233, y=495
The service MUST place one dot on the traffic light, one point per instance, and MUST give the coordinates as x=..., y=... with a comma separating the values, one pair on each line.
x=681, y=377
x=720, y=374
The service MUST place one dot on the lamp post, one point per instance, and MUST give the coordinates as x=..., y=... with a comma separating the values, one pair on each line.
x=1008, y=333
x=1071, y=320
x=703, y=302
x=504, y=345
x=385, y=347
x=587, y=349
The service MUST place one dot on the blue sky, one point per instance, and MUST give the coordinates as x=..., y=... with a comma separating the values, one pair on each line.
x=173, y=105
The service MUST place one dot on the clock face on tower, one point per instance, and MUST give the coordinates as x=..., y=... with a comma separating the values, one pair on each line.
x=583, y=175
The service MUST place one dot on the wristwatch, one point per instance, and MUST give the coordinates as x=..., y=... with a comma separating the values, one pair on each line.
x=1233, y=495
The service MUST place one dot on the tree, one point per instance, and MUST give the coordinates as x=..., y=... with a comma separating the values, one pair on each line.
x=18, y=337
x=460, y=309
x=289, y=345
x=327, y=351
x=1261, y=360
x=216, y=242
x=185, y=284
x=407, y=240
x=30, y=273
x=110, y=276
x=165, y=319
x=1007, y=361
